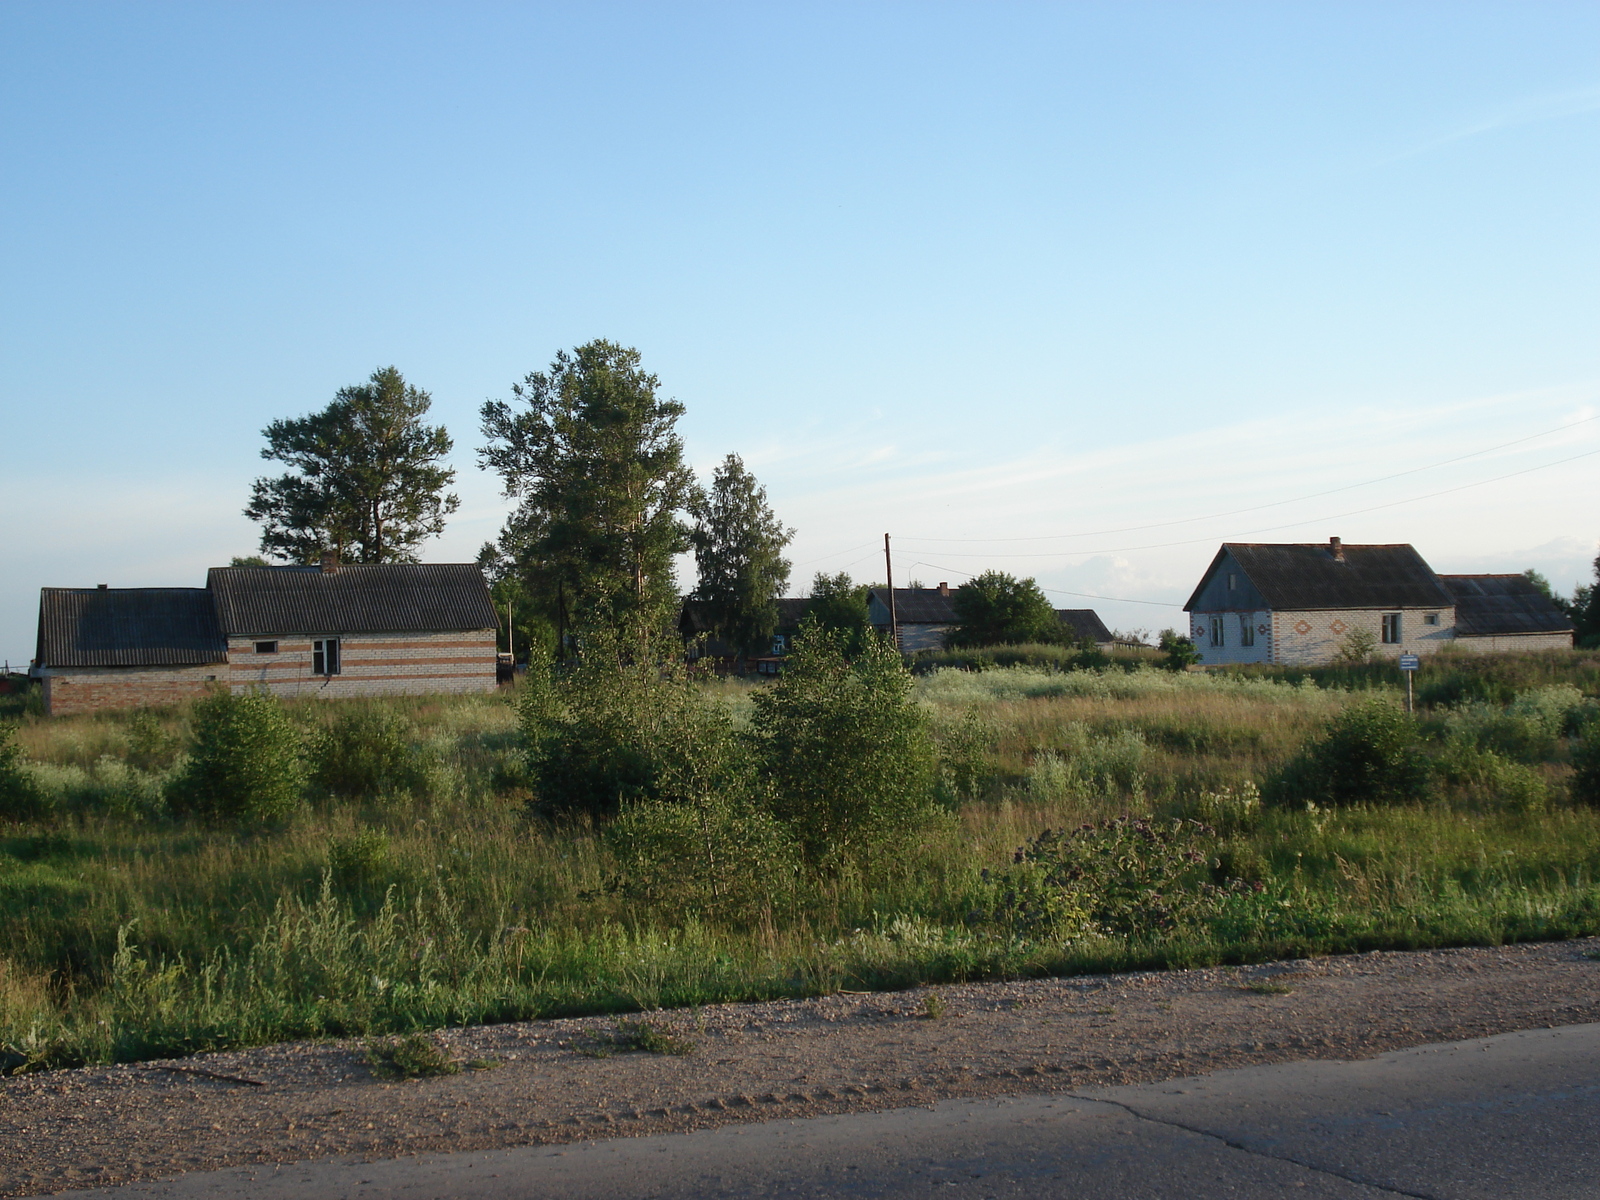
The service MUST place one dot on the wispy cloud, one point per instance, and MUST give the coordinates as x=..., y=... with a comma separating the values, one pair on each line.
x=1531, y=110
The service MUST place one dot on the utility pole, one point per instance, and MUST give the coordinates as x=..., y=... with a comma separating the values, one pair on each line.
x=511, y=645
x=888, y=571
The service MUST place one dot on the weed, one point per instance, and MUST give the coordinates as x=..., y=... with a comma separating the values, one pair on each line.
x=933, y=1006
x=634, y=1035
x=413, y=1056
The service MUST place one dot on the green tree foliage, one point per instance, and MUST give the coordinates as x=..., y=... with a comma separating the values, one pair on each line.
x=526, y=632
x=1179, y=651
x=1584, y=609
x=247, y=763
x=592, y=454
x=738, y=551
x=997, y=609
x=840, y=605
x=366, y=480
x=844, y=749
x=1371, y=753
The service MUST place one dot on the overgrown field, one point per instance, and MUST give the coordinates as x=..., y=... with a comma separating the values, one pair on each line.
x=440, y=861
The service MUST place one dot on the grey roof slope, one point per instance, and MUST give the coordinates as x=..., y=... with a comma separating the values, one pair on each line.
x=1487, y=605
x=919, y=606
x=1307, y=576
x=128, y=627
x=1084, y=622
x=373, y=598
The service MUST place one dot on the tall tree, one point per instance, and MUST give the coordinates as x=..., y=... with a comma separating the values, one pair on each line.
x=592, y=453
x=840, y=604
x=366, y=481
x=738, y=550
x=996, y=609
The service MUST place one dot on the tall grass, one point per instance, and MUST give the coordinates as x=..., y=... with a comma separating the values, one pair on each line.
x=126, y=933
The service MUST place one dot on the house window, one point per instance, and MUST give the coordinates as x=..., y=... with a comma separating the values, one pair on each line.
x=1247, y=629
x=1233, y=582
x=777, y=643
x=1430, y=618
x=1217, y=638
x=1391, y=629
x=325, y=656
x=266, y=647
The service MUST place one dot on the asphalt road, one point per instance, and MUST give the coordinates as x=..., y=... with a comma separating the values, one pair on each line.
x=1501, y=1118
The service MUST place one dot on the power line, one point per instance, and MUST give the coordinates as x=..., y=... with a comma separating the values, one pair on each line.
x=1047, y=537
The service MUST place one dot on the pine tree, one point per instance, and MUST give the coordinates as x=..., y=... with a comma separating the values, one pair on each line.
x=367, y=481
x=592, y=453
x=738, y=549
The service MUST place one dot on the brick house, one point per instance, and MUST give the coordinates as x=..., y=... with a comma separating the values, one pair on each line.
x=1298, y=604
x=364, y=630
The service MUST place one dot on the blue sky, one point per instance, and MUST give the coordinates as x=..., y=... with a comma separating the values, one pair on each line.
x=1040, y=287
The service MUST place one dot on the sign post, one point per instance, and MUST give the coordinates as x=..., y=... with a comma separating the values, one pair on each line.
x=1409, y=663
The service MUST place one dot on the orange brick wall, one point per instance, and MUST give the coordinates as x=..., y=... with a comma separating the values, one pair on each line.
x=70, y=690
x=381, y=664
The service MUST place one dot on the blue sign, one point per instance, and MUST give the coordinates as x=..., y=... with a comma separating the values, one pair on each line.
x=1409, y=662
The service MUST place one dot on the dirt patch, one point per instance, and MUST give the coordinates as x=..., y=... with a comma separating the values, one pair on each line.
x=548, y=1082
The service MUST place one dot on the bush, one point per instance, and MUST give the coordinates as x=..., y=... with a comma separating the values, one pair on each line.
x=246, y=764
x=1370, y=754
x=21, y=798
x=366, y=753
x=150, y=747
x=844, y=749
x=1127, y=877
x=1479, y=776
x=1585, y=785
x=610, y=732
x=362, y=862
x=712, y=859
x=1088, y=766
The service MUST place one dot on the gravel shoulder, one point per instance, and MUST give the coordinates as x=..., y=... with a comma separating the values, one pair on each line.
x=752, y=1062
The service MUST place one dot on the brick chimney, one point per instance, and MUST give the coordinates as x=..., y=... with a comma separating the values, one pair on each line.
x=1336, y=548
x=330, y=562
x=944, y=588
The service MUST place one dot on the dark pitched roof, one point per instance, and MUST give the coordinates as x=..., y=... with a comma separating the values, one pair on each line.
x=918, y=606
x=791, y=611
x=376, y=598
x=1308, y=576
x=127, y=627
x=1503, y=604
x=1084, y=622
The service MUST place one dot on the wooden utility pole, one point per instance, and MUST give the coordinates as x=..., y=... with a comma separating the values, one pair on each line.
x=888, y=571
x=511, y=644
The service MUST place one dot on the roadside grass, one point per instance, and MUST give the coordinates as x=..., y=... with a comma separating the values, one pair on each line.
x=127, y=934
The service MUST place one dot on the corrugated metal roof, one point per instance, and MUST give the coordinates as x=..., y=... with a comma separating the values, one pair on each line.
x=1487, y=605
x=1085, y=622
x=1308, y=576
x=375, y=598
x=916, y=606
x=128, y=627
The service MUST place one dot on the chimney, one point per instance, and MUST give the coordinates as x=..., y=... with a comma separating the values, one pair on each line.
x=101, y=587
x=330, y=562
x=1336, y=548
x=944, y=588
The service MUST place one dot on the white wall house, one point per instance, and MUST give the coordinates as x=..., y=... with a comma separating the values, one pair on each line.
x=1300, y=604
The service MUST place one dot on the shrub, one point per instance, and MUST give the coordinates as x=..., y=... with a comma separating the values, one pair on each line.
x=150, y=747
x=966, y=749
x=1088, y=766
x=1585, y=784
x=21, y=797
x=711, y=859
x=246, y=763
x=366, y=753
x=1370, y=754
x=610, y=732
x=1475, y=775
x=844, y=749
x=1127, y=877
x=1177, y=651
x=360, y=862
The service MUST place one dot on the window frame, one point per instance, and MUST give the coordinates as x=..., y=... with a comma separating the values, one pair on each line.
x=326, y=659
x=1219, y=631
x=1247, y=629
x=1430, y=618
x=267, y=646
x=1392, y=625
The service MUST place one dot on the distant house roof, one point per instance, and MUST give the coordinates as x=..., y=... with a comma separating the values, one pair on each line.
x=1489, y=605
x=372, y=598
x=128, y=627
x=1084, y=622
x=1309, y=576
x=915, y=606
x=791, y=611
